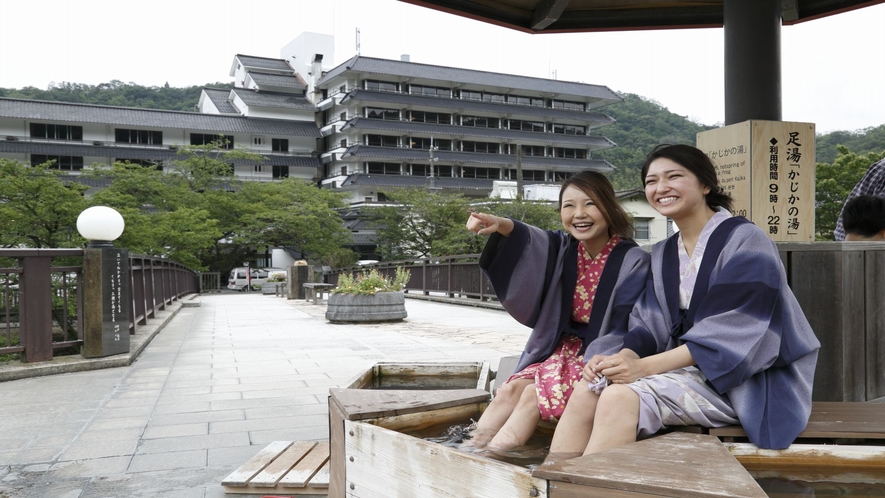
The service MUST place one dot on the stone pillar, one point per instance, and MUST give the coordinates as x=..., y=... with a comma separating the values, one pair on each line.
x=752, y=60
x=296, y=277
x=106, y=301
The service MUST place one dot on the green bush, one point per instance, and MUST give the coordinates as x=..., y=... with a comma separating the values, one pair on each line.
x=276, y=277
x=371, y=282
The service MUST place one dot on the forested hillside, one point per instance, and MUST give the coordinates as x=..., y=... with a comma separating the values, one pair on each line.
x=641, y=123
x=117, y=93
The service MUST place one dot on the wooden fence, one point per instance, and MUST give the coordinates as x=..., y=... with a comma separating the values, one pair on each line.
x=42, y=300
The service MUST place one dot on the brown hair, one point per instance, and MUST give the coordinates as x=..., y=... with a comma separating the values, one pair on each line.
x=600, y=190
x=694, y=160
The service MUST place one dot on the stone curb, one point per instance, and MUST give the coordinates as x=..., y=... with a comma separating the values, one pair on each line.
x=15, y=370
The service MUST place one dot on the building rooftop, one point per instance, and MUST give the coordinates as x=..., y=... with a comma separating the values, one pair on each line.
x=38, y=110
x=277, y=80
x=263, y=62
x=369, y=65
x=219, y=97
x=274, y=100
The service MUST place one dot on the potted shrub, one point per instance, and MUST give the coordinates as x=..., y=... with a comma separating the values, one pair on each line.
x=368, y=297
x=270, y=283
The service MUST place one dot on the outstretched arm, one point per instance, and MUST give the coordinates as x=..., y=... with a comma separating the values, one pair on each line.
x=483, y=224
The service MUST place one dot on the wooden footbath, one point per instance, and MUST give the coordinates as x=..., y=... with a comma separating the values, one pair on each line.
x=370, y=455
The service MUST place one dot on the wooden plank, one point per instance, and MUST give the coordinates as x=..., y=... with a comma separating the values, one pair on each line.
x=833, y=420
x=307, y=467
x=360, y=404
x=506, y=367
x=256, y=464
x=676, y=464
x=336, y=450
x=813, y=456
x=428, y=369
x=321, y=478
x=569, y=490
x=420, y=420
x=836, y=316
x=387, y=464
x=875, y=323
x=271, y=475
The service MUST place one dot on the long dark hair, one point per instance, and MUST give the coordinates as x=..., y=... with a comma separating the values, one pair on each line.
x=694, y=160
x=600, y=190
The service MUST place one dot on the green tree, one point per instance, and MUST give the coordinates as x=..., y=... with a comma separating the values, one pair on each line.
x=37, y=209
x=833, y=183
x=423, y=223
x=292, y=213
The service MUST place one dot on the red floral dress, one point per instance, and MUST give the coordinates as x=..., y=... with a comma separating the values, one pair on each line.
x=556, y=376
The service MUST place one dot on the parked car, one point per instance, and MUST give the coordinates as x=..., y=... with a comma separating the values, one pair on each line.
x=238, y=279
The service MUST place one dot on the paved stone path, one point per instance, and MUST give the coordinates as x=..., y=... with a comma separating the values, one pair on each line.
x=217, y=384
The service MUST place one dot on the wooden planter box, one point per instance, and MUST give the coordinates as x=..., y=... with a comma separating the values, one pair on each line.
x=380, y=307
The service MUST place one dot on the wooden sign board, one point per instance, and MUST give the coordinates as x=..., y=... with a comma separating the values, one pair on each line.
x=768, y=169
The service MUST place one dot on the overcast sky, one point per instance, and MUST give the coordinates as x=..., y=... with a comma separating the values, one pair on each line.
x=833, y=73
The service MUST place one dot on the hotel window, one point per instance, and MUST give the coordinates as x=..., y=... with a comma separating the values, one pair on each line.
x=569, y=129
x=642, y=228
x=259, y=168
x=516, y=124
x=479, y=122
x=420, y=170
x=424, y=143
x=280, y=171
x=520, y=100
x=379, y=113
x=560, y=176
x=470, y=95
x=64, y=163
x=146, y=137
x=227, y=141
x=279, y=144
x=444, y=171
x=432, y=91
x=430, y=117
x=569, y=153
x=529, y=174
x=382, y=168
x=56, y=132
x=381, y=86
x=470, y=172
x=493, y=97
x=488, y=148
x=568, y=105
x=258, y=141
x=534, y=150
x=381, y=141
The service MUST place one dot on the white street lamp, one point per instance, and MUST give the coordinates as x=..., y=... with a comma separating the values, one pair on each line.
x=100, y=225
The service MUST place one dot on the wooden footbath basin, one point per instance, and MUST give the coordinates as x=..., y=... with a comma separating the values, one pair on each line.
x=373, y=455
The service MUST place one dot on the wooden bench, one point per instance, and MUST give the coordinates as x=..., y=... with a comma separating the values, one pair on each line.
x=832, y=420
x=314, y=290
x=828, y=420
x=283, y=467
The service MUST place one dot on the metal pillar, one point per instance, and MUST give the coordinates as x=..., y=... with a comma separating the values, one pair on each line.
x=752, y=60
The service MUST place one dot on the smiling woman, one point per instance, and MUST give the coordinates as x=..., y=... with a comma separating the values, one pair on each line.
x=591, y=268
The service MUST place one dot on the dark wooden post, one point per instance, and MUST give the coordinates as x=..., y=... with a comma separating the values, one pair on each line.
x=36, y=308
x=106, y=294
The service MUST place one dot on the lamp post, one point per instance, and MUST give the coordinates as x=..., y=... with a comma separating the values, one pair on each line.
x=432, y=160
x=106, y=283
